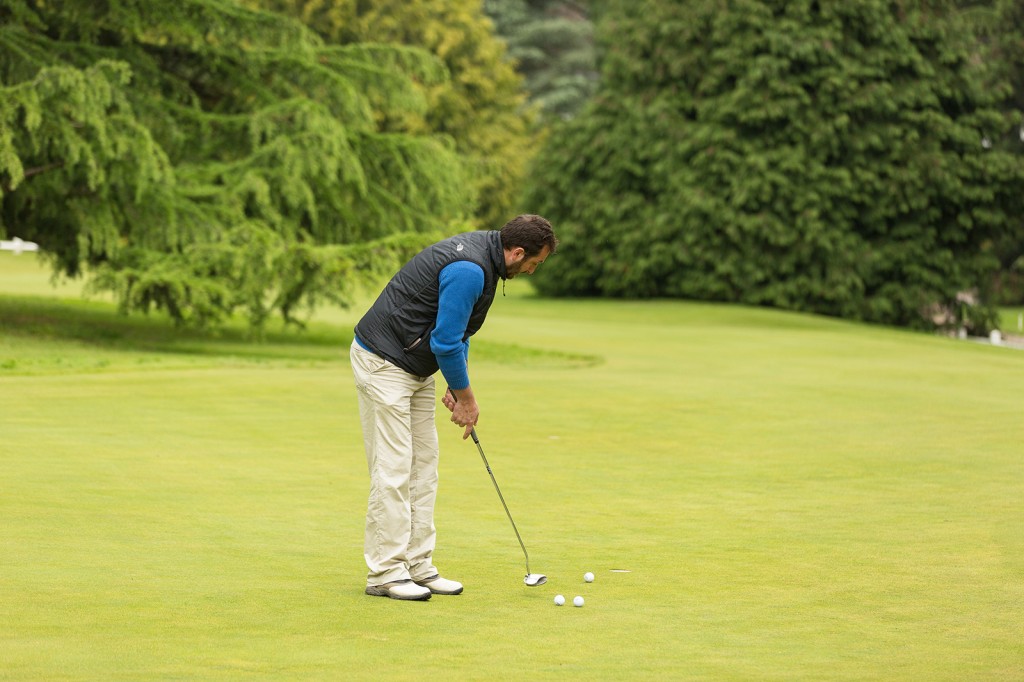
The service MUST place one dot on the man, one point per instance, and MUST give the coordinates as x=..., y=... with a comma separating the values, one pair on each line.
x=421, y=322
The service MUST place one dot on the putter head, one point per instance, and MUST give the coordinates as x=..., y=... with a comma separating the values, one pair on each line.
x=535, y=579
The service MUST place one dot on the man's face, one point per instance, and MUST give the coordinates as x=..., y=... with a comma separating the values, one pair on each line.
x=518, y=263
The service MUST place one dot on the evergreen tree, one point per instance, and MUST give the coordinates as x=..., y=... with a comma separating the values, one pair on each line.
x=825, y=157
x=1009, y=55
x=203, y=158
x=998, y=30
x=552, y=44
x=481, y=107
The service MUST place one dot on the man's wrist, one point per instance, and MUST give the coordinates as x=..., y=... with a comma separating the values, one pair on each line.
x=463, y=395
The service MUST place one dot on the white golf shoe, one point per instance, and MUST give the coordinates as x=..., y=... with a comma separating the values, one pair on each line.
x=399, y=589
x=438, y=585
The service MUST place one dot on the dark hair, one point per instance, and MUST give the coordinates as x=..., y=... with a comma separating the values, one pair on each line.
x=531, y=232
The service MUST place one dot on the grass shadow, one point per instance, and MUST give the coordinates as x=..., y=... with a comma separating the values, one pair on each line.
x=99, y=325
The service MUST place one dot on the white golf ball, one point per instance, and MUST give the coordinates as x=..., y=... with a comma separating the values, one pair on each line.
x=577, y=601
x=588, y=576
x=559, y=600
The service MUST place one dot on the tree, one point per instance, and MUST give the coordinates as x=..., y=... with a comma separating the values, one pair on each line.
x=824, y=157
x=203, y=158
x=552, y=44
x=998, y=30
x=481, y=107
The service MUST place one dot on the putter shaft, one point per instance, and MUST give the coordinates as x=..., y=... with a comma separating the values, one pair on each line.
x=501, y=497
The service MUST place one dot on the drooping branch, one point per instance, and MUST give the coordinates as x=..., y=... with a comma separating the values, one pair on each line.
x=8, y=187
x=42, y=169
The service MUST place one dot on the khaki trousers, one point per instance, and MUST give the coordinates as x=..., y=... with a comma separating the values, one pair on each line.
x=400, y=436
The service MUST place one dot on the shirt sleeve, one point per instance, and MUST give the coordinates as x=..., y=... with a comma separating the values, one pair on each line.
x=461, y=284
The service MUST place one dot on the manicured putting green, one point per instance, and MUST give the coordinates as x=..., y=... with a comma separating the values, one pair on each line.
x=760, y=495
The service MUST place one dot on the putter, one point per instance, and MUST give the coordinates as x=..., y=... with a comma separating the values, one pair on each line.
x=531, y=579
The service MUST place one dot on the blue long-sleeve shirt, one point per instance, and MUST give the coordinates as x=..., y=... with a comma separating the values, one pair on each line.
x=461, y=284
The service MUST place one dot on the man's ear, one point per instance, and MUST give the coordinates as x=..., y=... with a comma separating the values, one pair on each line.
x=518, y=252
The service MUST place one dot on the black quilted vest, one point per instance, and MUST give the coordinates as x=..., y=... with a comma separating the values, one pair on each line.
x=399, y=323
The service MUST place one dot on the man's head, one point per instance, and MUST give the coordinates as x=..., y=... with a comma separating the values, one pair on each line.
x=527, y=241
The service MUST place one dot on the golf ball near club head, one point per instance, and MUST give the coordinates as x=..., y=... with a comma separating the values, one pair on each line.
x=588, y=577
x=559, y=600
x=577, y=601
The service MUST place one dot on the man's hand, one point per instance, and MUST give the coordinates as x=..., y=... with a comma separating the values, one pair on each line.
x=449, y=400
x=465, y=411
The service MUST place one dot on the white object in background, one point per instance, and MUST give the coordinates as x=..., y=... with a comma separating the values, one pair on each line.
x=995, y=337
x=17, y=246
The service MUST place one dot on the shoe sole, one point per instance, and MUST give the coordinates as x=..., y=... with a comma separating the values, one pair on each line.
x=380, y=591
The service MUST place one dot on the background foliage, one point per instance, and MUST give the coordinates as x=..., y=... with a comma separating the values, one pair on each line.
x=211, y=156
x=850, y=159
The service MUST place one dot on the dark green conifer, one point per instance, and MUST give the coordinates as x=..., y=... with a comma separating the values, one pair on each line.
x=817, y=156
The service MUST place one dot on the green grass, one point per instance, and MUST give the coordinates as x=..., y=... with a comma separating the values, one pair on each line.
x=795, y=498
